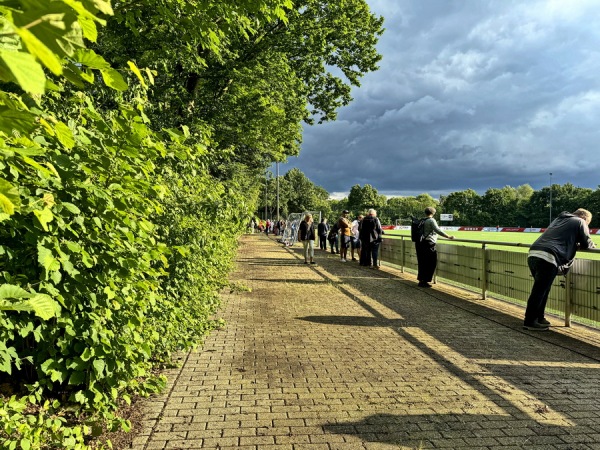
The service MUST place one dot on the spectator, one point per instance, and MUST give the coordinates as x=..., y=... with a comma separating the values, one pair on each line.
x=323, y=230
x=281, y=226
x=306, y=233
x=370, y=236
x=332, y=237
x=552, y=253
x=426, y=249
x=345, y=233
x=355, y=238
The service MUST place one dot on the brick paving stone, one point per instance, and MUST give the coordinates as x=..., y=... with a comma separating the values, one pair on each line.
x=337, y=357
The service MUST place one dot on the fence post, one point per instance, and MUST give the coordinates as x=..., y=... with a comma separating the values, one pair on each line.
x=483, y=273
x=568, y=299
x=403, y=255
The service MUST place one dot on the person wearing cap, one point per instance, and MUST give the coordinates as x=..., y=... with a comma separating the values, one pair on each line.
x=345, y=233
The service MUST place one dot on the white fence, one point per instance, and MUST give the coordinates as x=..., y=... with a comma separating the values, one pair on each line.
x=292, y=224
x=505, y=273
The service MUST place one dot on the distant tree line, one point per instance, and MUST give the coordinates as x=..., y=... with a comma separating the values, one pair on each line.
x=509, y=206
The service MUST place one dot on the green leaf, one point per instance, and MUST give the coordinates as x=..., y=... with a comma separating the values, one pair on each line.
x=74, y=75
x=44, y=306
x=11, y=291
x=46, y=259
x=64, y=135
x=44, y=216
x=77, y=378
x=25, y=444
x=38, y=49
x=87, y=354
x=57, y=375
x=109, y=293
x=113, y=79
x=91, y=59
x=30, y=151
x=80, y=397
x=71, y=208
x=104, y=7
x=23, y=69
x=9, y=197
x=99, y=365
x=88, y=27
x=37, y=166
x=21, y=121
x=137, y=73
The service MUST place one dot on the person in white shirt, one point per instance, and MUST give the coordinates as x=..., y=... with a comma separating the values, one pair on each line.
x=354, y=240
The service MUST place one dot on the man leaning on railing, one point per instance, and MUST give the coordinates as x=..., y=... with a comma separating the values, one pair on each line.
x=554, y=252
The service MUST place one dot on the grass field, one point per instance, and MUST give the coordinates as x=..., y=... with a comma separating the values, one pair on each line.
x=502, y=237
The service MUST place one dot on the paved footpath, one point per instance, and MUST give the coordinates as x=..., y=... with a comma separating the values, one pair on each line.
x=337, y=356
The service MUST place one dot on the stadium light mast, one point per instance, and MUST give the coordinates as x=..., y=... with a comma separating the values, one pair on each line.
x=550, y=197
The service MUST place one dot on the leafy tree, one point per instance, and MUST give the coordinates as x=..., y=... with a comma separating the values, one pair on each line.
x=248, y=69
x=360, y=199
x=564, y=198
x=303, y=195
x=499, y=206
x=568, y=198
x=464, y=205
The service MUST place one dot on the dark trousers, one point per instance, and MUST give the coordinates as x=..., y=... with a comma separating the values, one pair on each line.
x=365, y=253
x=426, y=260
x=375, y=253
x=334, y=243
x=543, y=274
x=369, y=253
x=323, y=242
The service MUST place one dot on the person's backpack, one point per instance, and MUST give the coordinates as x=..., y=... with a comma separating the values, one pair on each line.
x=417, y=229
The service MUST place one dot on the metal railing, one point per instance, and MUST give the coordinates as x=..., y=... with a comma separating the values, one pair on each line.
x=505, y=273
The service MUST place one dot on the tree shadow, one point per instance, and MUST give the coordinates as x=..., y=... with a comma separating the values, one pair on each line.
x=360, y=321
x=520, y=372
x=456, y=431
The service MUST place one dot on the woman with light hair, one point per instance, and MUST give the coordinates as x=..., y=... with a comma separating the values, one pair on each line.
x=306, y=235
x=370, y=232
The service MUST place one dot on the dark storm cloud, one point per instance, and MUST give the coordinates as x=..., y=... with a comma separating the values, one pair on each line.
x=470, y=94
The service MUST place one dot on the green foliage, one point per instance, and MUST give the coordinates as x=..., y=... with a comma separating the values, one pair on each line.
x=45, y=426
x=127, y=172
x=364, y=198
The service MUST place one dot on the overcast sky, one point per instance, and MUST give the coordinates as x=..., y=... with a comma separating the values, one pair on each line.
x=470, y=94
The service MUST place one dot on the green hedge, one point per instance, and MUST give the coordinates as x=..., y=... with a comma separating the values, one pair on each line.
x=115, y=239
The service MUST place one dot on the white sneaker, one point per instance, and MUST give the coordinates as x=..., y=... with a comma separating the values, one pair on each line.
x=342, y=260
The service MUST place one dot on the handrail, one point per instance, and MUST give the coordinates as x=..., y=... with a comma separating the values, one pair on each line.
x=478, y=275
x=506, y=244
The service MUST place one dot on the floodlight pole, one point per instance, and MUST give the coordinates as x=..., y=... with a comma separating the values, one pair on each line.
x=550, y=197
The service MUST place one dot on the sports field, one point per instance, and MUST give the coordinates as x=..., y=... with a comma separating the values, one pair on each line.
x=491, y=237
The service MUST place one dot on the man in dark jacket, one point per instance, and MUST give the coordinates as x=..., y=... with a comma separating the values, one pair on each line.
x=323, y=230
x=370, y=232
x=554, y=252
